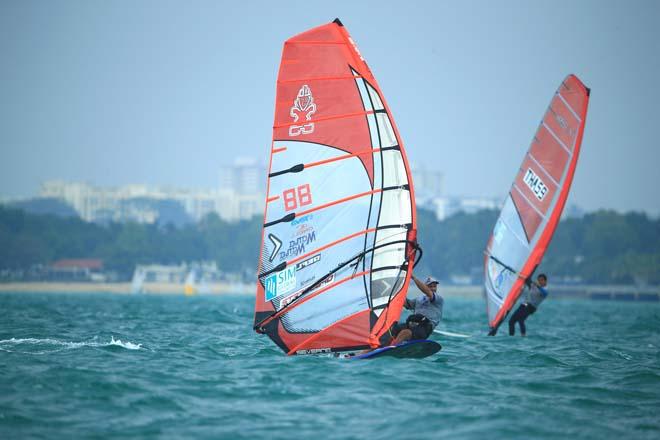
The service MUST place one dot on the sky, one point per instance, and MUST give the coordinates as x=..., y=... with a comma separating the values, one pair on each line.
x=164, y=93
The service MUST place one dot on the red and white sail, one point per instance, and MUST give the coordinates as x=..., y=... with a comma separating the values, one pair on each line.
x=535, y=202
x=336, y=252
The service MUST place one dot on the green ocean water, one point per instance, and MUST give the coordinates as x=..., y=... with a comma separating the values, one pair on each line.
x=114, y=366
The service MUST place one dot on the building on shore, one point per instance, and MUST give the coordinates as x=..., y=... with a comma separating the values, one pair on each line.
x=239, y=196
x=81, y=269
x=178, y=273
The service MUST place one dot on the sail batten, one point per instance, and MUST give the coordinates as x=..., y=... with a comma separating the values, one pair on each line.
x=340, y=219
x=536, y=200
x=330, y=118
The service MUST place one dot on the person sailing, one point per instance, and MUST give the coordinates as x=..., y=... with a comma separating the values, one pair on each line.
x=427, y=313
x=536, y=294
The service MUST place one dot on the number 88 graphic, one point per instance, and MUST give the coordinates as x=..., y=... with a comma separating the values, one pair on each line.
x=294, y=197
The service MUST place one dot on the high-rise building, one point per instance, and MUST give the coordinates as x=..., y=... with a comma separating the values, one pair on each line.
x=429, y=183
x=76, y=194
x=245, y=176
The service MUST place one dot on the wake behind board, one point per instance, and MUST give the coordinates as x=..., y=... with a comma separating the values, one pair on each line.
x=450, y=334
x=410, y=349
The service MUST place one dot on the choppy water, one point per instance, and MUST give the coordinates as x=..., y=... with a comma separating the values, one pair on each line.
x=113, y=366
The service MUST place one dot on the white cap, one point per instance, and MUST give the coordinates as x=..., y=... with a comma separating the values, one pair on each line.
x=431, y=280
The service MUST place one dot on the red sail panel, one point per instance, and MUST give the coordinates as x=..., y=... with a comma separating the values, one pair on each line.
x=320, y=58
x=561, y=122
x=530, y=217
x=549, y=154
x=346, y=333
x=536, y=200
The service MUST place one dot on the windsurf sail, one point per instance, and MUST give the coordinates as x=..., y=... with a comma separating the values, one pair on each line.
x=535, y=202
x=338, y=239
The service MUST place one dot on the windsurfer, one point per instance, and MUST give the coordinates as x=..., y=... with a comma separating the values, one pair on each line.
x=536, y=293
x=427, y=312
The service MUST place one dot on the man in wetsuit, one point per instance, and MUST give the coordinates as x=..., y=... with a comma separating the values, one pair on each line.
x=536, y=293
x=427, y=312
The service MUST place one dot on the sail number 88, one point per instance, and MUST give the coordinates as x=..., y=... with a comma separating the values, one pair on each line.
x=295, y=197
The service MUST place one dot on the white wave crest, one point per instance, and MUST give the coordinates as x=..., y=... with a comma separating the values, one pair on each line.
x=5, y=344
x=127, y=345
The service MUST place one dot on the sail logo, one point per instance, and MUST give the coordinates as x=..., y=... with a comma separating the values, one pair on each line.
x=308, y=262
x=498, y=277
x=277, y=243
x=303, y=229
x=564, y=125
x=535, y=183
x=303, y=109
x=303, y=219
x=314, y=351
x=298, y=246
x=280, y=283
x=286, y=301
x=501, y=278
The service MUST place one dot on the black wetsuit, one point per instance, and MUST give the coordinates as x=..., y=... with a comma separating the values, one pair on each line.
x=427, y=313
x=523, y=311
x=535, y=296
x=420, y=326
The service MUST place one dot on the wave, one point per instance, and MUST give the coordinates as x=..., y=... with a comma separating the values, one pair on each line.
x=7, y=344
x=127, y=345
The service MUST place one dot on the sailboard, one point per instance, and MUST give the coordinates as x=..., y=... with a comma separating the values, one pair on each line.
x=535, y=201
x=415, y=349
x=338, y=239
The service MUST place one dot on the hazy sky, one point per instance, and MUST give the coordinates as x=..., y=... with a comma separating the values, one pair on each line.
x=165, y=92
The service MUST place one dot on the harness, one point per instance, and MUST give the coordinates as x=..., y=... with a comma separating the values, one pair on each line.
x=417, y=319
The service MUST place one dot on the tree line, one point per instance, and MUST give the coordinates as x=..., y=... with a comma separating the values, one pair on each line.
x=602, y=247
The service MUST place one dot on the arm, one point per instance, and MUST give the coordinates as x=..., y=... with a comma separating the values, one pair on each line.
x=424, y=288
x=538, y=286
x=543, y=291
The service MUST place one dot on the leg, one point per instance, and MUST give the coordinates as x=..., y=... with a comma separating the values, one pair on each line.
x=395, y=330
x=406, y=331
x=404, y=335
x=515, y=318
x=529, y=309
x=423, y=330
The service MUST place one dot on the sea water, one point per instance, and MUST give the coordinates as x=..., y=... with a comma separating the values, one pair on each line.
x=151, y=366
